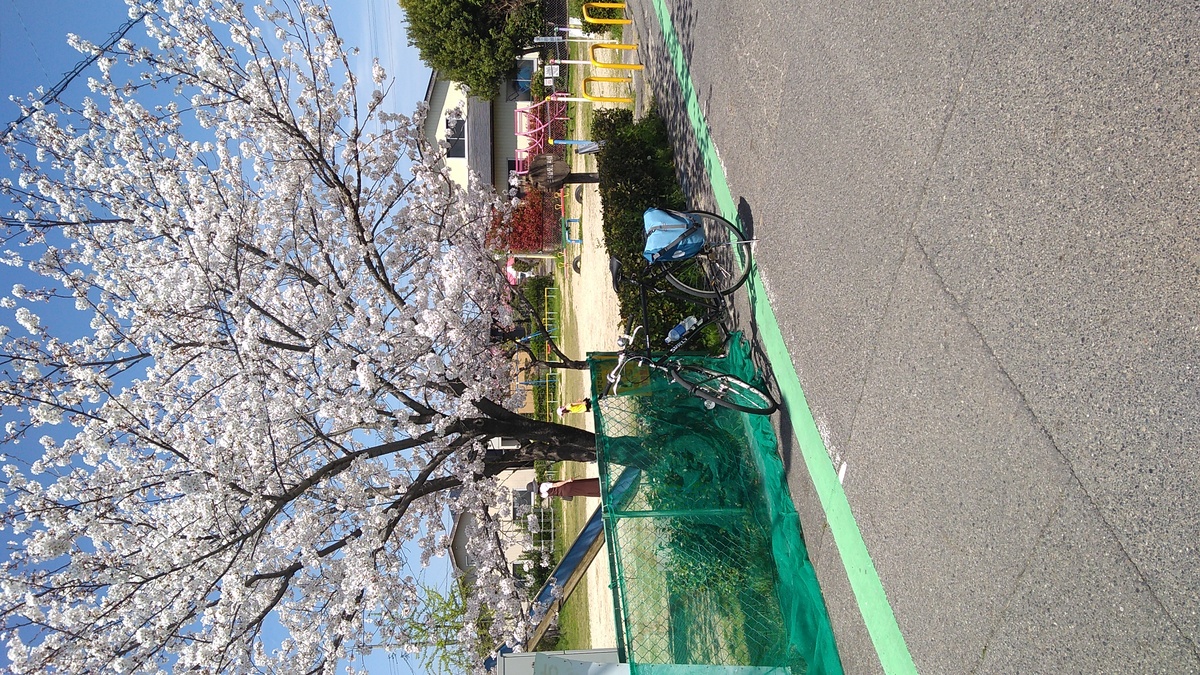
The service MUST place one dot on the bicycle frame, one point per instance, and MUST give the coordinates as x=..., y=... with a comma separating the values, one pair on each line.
x=712, y=313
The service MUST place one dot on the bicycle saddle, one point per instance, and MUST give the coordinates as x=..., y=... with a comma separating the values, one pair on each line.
x=614, y=266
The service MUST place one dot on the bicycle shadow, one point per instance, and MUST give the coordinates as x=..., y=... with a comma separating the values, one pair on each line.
x=742, y=316
x=740, y=308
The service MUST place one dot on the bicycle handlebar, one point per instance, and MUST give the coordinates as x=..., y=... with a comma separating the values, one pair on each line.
x=623, y=342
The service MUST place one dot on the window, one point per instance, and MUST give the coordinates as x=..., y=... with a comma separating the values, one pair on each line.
x=518, y=88
x=521, y=501
x=456, y=136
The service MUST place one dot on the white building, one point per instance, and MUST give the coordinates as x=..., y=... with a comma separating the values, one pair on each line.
x=510, y=514
x=484, y=138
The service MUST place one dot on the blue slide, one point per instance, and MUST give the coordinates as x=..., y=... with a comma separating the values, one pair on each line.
x=571, y=568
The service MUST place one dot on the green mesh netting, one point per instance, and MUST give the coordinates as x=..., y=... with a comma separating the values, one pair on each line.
x=709, y=564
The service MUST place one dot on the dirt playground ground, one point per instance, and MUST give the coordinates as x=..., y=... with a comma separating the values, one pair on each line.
x=591, y=318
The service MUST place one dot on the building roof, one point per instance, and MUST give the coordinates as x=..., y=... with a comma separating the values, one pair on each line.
x=460, y=555
x=479, y=138
x=433, y=78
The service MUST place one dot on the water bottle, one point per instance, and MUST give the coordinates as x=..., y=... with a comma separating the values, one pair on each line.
x=681, y=329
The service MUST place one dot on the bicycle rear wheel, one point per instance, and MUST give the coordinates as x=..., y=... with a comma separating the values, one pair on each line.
x=724, y=390
x=721, y=268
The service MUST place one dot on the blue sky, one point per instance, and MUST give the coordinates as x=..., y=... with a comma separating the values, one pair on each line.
x=33, y=52
x=33, y=49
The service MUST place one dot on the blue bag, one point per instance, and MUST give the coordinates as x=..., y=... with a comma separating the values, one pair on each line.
x=670, y=235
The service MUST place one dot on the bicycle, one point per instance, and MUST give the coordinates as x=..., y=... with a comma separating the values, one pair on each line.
x=714, y=387
x=699, y=252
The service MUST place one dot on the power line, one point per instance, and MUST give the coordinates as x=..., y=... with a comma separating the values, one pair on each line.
x=32, y=45
x=75, y=72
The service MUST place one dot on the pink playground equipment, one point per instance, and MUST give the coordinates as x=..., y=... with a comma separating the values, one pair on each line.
x=538, y=124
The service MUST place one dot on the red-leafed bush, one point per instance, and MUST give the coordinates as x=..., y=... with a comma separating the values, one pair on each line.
x=532, y=226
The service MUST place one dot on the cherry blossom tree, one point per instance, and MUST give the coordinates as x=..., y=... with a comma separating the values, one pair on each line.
x=287, y=376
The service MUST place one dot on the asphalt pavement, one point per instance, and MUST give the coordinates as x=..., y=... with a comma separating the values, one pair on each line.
x=978, y=232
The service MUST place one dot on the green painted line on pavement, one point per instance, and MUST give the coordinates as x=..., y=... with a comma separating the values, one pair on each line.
x=864, y=579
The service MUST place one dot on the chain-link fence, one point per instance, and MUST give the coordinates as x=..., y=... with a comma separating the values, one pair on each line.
x=696, y=538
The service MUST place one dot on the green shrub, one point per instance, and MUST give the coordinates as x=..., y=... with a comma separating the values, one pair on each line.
x=534, y=290
x=637, y=170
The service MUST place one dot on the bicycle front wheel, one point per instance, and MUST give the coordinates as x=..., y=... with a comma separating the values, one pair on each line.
x=721, y=268
x=724, y=390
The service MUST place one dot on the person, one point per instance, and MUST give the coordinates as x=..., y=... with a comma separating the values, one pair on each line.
x=567, y=489
x=582, y=405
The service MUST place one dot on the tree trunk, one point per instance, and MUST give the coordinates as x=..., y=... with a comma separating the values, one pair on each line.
x=539, y=440
x=563, y=362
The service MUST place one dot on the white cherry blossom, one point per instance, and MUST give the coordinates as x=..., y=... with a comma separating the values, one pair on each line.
x=285, y=368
